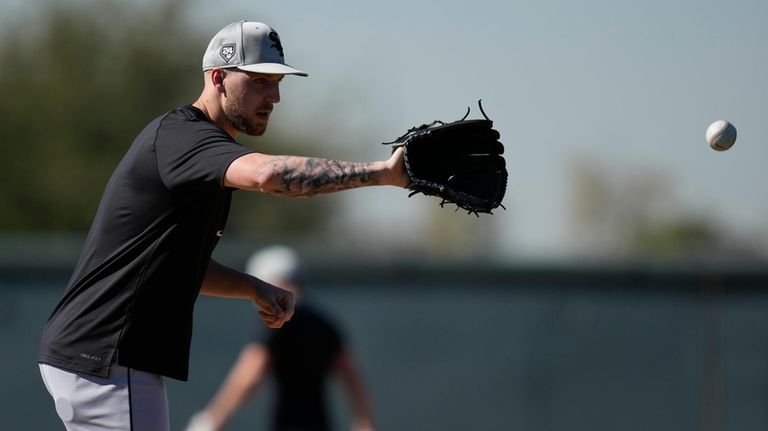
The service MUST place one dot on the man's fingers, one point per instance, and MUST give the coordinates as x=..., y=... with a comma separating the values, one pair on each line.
x=286, y=303
x=271, y=320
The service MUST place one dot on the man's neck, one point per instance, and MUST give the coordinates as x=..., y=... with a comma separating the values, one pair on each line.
x=214, y=116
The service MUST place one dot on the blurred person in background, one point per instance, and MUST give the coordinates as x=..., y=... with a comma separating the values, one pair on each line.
x=301, y=356
x=124, y=321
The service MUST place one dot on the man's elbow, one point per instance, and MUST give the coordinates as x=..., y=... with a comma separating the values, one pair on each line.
x=262, y=180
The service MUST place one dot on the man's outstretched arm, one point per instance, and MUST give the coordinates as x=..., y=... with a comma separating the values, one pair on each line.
x=296, y=176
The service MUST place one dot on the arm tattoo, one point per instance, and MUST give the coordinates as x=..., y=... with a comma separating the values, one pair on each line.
x=313, y=176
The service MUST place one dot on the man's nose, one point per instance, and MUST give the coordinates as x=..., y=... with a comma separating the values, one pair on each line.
x=273, y=94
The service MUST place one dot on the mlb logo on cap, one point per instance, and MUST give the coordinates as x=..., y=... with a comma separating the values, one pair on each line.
x=228, y=51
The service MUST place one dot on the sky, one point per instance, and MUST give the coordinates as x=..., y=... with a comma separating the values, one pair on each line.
x=630, y=85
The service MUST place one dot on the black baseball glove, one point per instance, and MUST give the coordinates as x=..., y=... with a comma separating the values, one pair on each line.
x=461, y=162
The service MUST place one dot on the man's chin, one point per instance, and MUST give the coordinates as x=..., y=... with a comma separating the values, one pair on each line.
x=250, y=129
x=255, y=132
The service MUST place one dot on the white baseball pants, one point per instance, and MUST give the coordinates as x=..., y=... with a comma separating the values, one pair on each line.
x=127, y=400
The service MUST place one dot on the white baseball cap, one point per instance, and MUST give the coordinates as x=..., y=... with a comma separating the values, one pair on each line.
x=250, y=46
x=276, y=264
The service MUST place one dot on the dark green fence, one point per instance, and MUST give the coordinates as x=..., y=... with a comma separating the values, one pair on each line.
x=545, y=348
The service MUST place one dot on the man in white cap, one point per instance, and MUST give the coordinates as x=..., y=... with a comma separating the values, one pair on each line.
x=125, y=319
x=300, y=356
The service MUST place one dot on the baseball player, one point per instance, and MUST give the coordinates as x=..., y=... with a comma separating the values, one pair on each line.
x=301, y=357
x=124, y=321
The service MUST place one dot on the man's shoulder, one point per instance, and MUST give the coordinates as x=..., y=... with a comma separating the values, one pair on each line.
x=189, y=123
x=187, y=113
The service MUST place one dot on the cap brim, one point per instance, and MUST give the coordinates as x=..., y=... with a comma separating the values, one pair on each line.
x=272, y=69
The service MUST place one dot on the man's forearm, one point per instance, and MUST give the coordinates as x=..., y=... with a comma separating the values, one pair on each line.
x=308, y=176
x=275, y=304
x=297, y=176
x=223, y=281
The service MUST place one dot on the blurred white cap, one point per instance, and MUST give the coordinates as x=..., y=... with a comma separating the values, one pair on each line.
x=275, y=265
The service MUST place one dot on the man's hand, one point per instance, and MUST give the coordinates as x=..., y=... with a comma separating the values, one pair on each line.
x=275, y=304
x=396, y=167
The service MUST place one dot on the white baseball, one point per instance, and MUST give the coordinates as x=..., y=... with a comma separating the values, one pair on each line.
x=721, y=135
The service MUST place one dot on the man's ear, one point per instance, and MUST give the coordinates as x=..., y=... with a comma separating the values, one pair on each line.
x=217, y=79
